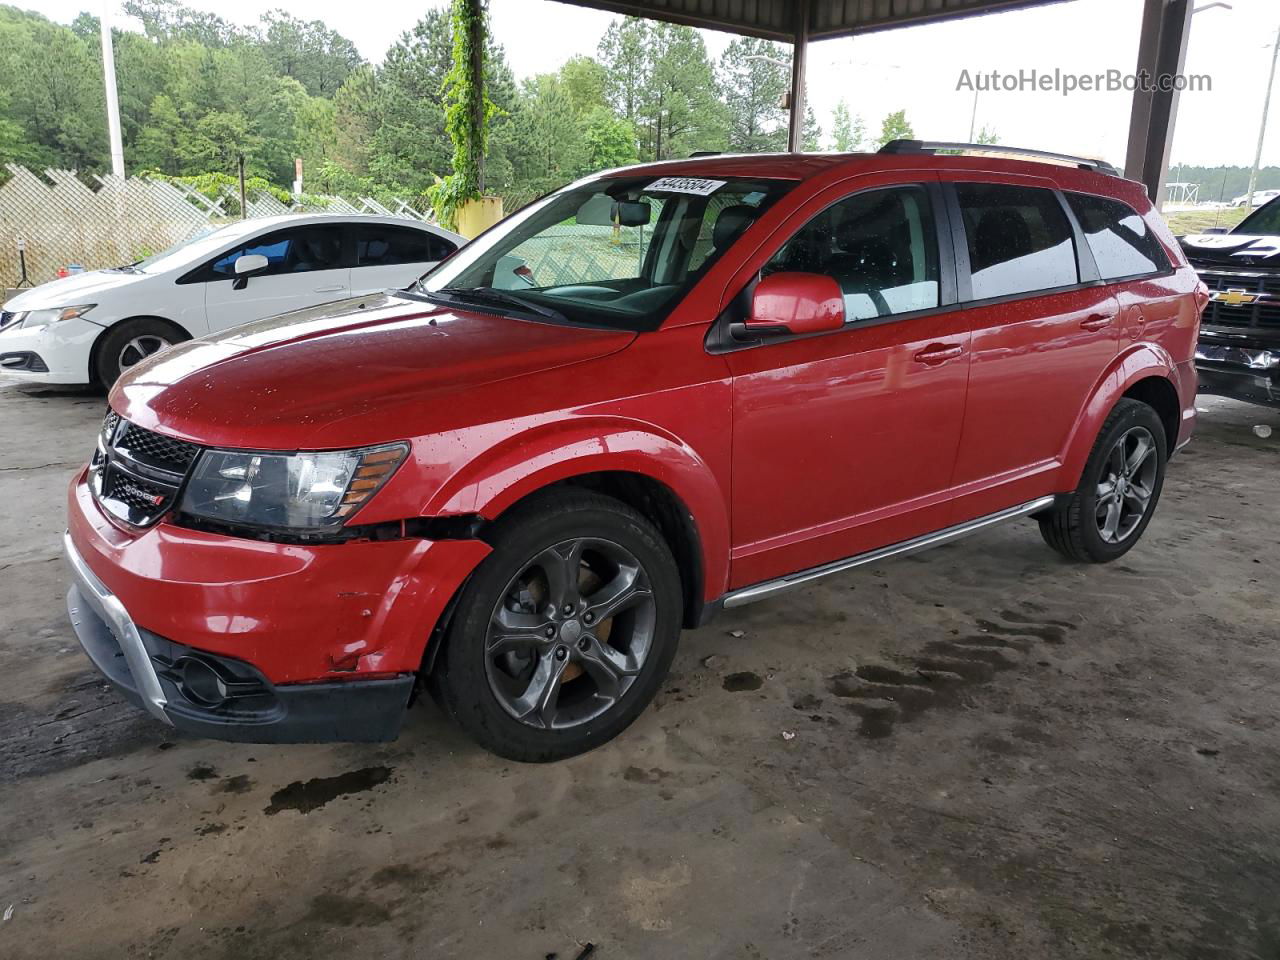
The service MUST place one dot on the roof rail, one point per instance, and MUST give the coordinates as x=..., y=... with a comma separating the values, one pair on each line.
x=939, y=146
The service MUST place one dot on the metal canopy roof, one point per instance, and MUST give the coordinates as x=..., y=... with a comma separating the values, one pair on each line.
x=784, y=19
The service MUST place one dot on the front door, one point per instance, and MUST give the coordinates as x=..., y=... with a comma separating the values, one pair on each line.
x=846, y=441
x=305, y=267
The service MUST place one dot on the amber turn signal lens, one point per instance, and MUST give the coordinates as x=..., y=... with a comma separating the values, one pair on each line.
x=375, y=467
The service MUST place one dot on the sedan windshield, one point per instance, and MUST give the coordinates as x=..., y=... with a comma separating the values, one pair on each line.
x=1263, y=222
x=619, y=252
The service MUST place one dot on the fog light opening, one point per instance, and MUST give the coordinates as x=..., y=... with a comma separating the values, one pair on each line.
x=200, y=683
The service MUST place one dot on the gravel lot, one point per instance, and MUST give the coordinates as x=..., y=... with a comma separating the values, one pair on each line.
x=1099, y=779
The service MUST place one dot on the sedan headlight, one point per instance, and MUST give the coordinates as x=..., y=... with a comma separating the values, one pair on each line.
x=42, y=318
x=296, y=491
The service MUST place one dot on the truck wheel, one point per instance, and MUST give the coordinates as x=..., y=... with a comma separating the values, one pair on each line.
x=130, y=341
x=1118, y=491
x=565, y=631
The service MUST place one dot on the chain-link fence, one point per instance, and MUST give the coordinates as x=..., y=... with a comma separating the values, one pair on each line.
x=61, y=221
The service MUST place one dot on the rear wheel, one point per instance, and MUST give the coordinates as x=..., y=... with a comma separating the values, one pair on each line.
x=1118, y=492
x=565, y=632
x=130, y=342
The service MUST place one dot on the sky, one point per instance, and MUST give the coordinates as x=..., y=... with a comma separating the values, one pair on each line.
x=917, y=69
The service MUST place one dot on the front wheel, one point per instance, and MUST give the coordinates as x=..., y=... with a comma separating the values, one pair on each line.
x=1118, y=491
x=565, y=632
x=130, y=342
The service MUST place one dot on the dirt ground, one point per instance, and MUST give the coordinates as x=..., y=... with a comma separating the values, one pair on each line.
x=1098, y=779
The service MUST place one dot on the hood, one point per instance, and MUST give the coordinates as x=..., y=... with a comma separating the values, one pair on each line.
x=72, y=291
x=1233, y=249
x=317, y=378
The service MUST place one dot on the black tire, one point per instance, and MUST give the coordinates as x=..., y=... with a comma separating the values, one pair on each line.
x=1076, y=526
x=471, y=682
x=114, y=353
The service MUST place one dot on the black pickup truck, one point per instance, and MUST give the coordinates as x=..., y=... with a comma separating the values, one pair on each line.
x=1239, y=350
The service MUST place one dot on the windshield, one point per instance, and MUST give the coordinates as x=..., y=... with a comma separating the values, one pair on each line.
x=206, y=240
x=1263, y=222
x=617, y=252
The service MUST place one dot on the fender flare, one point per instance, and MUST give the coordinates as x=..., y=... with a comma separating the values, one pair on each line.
x=532, y=460
x=1135, y=363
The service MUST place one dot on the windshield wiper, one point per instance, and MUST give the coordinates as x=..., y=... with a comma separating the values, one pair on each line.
x=501, y=297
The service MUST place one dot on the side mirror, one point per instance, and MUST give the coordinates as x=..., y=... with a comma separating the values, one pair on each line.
x=244, y=266
x=795, y=303
x=250, y=263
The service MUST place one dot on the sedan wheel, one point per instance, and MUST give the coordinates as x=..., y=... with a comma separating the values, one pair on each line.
x=138, y=349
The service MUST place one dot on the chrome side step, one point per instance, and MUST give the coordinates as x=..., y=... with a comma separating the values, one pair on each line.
x=771, y=588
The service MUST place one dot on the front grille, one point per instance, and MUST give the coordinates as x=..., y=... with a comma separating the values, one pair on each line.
x=1263, y=312
x=136, y=475
x=157, y=449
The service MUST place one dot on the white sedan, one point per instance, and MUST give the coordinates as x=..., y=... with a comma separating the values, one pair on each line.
x=91, y=327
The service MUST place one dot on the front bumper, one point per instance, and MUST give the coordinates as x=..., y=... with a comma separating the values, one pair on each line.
x=62, y=349
x=261, y=642
x=1243, y=370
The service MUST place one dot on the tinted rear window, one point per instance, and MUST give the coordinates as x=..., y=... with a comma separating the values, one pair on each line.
x=382, y=246
x=1121, y=241
x=1019, y=239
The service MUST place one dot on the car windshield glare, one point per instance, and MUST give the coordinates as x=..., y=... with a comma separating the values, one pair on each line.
x=199, y=244
x=615, y=252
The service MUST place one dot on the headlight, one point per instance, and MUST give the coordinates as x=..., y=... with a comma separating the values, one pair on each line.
x=298, y=491
x=41, y=318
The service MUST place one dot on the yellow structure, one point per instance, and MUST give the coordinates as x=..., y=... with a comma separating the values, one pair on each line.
x=477, y=216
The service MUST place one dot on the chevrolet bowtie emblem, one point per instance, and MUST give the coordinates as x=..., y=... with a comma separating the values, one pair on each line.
x=1235, y=298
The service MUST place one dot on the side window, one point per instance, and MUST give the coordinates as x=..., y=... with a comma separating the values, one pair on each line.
x=880, y=246
x=1019, y=239
x=384, y=246
x=293, y=250
x=1122, y=243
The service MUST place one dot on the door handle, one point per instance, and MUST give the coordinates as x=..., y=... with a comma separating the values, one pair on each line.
x=937, y=353
x=336, y=289
x=1096, y=321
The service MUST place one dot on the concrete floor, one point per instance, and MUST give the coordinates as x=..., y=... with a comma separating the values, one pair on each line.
x=1101, y=782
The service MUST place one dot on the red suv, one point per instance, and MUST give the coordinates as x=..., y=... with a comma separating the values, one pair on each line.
x=657, y=392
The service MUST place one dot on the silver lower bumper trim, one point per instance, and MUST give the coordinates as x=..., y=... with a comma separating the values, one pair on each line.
x=771, y=588
x=108, y=606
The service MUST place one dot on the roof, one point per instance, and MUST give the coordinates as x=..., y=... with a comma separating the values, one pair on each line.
x=804, y=166
x=780, y=19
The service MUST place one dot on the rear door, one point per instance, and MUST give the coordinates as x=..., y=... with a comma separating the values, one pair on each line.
x=846, y=441
x=1044, y=332
x=305, y=267
x=388, y=255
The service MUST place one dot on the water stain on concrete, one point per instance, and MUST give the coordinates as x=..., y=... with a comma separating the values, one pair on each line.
x=307, y=795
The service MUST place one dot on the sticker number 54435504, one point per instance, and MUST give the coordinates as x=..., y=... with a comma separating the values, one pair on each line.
x=695, y=185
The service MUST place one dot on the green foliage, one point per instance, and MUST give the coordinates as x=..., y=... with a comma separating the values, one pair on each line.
x=848, y=131
x=196, y=92
x=467, y=112
x=895, y=127
x=754, y=80
x=988, y=136
x=660, y=80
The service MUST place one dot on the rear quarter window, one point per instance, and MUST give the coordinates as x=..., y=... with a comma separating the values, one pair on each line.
x=1019, y=239
x=1120, y=239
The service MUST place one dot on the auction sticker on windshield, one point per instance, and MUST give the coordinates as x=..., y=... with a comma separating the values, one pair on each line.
x=695, y=185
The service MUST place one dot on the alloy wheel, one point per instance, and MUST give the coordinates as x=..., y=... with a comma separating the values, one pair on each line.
x=1126, y=485
x=138, y=349
x=570, y=633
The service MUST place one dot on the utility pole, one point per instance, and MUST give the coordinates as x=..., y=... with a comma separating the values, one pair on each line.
x=973, y=117
x=1262, y=132
x=113, y=98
